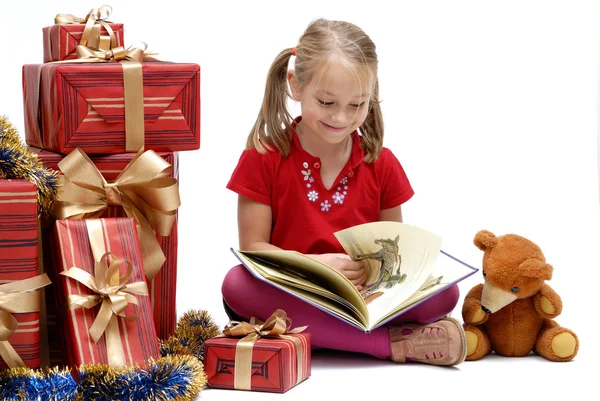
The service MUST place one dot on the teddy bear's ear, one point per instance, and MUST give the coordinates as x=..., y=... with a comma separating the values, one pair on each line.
x=485, y=239
x=535, y=268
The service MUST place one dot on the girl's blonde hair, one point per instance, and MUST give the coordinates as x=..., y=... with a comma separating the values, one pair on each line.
x=322, y=40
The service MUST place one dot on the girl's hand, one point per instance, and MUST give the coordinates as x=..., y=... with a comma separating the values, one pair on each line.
x=355, y=271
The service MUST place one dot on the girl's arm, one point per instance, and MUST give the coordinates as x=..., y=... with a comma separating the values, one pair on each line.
x=393, y=214
x=254, y=225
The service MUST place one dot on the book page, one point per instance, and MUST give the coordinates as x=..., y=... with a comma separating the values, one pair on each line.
x=399, y=259
x=313, y=271
x=447, y=272
x=289, y=278
x=308, y=294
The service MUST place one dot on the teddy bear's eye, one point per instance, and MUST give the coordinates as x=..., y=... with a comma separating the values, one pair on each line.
x=483, y=271
x=515, y=289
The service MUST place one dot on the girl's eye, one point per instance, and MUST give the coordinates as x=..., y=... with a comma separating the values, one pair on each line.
x=324, y=103
x=357, y=106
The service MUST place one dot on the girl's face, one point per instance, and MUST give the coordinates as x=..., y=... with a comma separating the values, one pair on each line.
x=334, y=103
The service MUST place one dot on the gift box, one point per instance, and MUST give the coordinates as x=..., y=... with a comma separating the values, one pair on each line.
x=86, y=252
x=163, y=286
x=276, y=362
x=94, y=30
x=19, y=261
x=61, y=40
x=85, y=105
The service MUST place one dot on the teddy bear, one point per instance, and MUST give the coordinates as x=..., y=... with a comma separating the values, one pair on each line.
x=512, y=312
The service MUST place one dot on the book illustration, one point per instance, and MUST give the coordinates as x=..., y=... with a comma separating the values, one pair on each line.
x=390, y=261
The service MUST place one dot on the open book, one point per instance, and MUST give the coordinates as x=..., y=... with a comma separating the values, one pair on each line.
x=405, y=266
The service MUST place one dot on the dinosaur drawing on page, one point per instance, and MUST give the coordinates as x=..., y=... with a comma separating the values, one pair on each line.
x=389, y=270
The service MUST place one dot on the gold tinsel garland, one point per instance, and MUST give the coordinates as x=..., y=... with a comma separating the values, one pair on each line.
x=18, y=162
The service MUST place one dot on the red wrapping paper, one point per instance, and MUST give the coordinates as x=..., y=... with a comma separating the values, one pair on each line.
x=19, y=259
x=72, y=248
x=60, y=41
x=163, y=288
x=274, y=363
x=82, y=105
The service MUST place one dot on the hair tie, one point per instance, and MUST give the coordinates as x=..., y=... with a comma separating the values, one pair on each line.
x=293, y=51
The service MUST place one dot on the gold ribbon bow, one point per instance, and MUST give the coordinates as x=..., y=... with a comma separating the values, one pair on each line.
x=17, y=297
x=111, y=291
x=91, y=32
x=276, y=326
x=143, y=189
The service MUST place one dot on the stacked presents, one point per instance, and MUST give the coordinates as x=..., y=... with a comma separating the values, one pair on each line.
x=110, y=120
x=94, y=281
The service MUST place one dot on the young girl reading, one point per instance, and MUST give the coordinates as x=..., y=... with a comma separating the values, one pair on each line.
x=300, y=180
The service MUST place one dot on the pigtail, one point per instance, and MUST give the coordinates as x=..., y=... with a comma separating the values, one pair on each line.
x=372, y=128
x=273, y=123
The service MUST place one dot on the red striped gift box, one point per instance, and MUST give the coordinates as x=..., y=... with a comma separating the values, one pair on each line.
x=19, y=259
x=82, y=105
x=163, y=287
x=71, y=245
x=61, y=41
x=275, y=365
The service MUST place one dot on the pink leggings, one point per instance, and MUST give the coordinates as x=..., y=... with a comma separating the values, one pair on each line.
x=247, y=296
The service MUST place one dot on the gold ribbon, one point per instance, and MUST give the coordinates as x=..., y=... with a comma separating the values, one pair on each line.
x=91, y=32
x=17, y=297
x=133, y=86
x=143, y=189
x=276, y=326
x=110, y=290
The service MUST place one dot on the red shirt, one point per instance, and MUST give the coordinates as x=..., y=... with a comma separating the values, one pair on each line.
x=305, y=213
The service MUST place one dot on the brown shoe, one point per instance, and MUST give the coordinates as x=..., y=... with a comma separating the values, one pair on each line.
x=439, y=343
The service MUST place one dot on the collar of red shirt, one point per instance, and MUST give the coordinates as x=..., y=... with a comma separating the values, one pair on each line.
x=356, y=157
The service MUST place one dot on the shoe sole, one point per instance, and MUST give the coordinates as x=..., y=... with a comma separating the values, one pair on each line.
x=463, y=339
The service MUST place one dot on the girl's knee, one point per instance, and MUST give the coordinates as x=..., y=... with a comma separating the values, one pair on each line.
x=235, y=280
x=450, y=296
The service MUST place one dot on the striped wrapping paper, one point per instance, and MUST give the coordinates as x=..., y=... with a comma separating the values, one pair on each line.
x=19, y=259
x=82, y=105
x=163, y=288
x=274, y=363
x=60, y=41
x=72, y=248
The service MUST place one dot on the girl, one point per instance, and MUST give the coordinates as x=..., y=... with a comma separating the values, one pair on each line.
x=300, y=180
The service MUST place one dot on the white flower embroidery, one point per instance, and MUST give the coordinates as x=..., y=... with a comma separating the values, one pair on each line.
x=338, y=198
x=312, y=195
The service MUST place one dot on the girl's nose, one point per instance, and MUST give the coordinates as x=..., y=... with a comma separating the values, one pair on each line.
x=340, y=116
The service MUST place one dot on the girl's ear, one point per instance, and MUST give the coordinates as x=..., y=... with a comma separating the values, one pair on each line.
x=294, y=85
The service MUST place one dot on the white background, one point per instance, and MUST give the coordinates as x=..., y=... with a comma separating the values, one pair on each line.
x=491, y=107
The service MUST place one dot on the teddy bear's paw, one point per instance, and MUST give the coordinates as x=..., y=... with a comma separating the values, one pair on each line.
x=557, y=344
x=478, y=343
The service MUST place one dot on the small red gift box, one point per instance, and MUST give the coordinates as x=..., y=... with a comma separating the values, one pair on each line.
x=277, y=362
x=83, y=105
x=61, y=41
x=77, y=243
x=19, y=261
x=163, y=287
